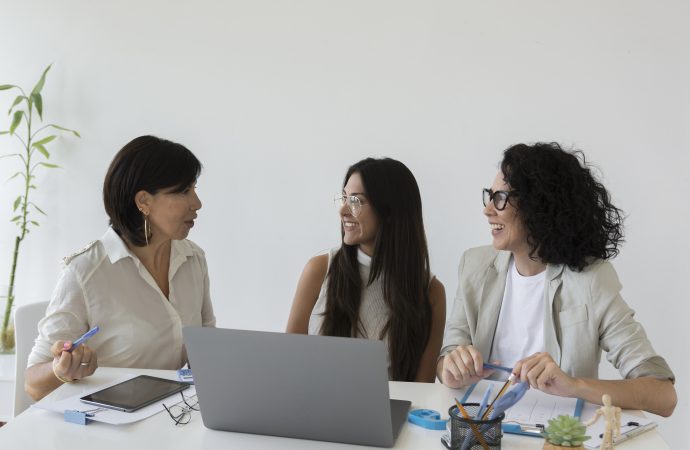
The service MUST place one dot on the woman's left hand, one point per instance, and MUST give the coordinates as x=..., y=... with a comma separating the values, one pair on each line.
x=542, y=372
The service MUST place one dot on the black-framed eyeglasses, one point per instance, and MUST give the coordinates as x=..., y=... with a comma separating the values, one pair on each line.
x=500, y=198
x=181, y=412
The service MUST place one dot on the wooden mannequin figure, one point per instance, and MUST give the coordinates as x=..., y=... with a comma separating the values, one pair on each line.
x=612, y=422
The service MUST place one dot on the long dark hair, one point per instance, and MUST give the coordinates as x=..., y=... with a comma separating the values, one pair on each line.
x=567, y=212
x=400, y=257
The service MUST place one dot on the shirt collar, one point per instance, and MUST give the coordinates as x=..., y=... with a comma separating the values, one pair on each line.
x=363, y=258
x=502, y=260
x=116, y=248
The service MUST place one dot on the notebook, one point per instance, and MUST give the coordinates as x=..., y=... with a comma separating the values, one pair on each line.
x=531, y=414
x=309, y=387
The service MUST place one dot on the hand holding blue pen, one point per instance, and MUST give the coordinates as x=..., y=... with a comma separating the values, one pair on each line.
x=69, y=366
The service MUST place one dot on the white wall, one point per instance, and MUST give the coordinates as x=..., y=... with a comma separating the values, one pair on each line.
x=277, y=98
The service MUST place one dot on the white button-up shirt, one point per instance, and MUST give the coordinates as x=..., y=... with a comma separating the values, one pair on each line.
x=107, y=285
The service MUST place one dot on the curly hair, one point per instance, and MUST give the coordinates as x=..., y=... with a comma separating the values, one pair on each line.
x=568, y=214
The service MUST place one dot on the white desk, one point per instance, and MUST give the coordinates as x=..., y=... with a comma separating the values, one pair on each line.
x=39, y=429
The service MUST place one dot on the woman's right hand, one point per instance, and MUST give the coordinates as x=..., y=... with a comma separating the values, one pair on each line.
x=75, y=365
x=463, y=366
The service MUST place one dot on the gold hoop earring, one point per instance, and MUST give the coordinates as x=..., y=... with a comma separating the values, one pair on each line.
x=147, y=230
x=147, y=227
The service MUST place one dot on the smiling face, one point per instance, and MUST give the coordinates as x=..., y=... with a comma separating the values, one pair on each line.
x=360, y=230
x=171, y=214
x=507, y=228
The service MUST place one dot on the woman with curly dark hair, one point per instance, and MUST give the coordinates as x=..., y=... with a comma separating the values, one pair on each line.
x=545, y=300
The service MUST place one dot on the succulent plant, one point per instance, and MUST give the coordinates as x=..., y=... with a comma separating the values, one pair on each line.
x=565, y=431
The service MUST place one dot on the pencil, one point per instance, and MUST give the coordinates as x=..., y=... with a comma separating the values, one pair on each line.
x=500, y=393
x=474, y=428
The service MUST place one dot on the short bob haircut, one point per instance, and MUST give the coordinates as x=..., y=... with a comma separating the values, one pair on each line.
x=568, y=213
x=149, y=164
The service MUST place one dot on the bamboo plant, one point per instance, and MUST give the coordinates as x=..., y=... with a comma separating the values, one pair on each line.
x=26, y=125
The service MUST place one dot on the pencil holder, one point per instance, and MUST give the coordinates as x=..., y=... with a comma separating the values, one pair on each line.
x=470, y=434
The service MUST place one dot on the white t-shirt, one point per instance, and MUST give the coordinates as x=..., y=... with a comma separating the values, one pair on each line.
x=520, y=328
x=107, y=285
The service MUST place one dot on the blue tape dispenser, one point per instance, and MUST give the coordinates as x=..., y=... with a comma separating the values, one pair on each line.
x=427, y=418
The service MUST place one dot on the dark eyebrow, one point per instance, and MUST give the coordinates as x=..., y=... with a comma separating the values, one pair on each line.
x=354, y=193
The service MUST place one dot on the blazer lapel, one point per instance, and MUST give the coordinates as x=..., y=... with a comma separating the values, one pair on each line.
x=492, y=298
x=553, y=282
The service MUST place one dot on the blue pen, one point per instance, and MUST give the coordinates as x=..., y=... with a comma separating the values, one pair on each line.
x=84, y=337
x=482, y=405
x=496, y=367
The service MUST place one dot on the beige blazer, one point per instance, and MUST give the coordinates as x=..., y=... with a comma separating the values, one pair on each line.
x=585, y=315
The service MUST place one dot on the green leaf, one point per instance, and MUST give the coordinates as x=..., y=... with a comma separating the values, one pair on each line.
x=48, y=165
x=4, y=87
x=17, y=101
x=41, y=149
x=35, y=223
x=15, y=218
x=4, y=132
x=37, y=208
x=38, y=101
x=16, y=175
x=16, y=120
x=64, y=129
x=32, y=187
x=44, y=140
x=17, y=201
x=39, y=86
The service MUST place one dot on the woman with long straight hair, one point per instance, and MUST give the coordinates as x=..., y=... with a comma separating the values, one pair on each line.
x=377, y=285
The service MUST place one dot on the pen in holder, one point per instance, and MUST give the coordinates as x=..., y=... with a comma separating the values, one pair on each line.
x=474, y=434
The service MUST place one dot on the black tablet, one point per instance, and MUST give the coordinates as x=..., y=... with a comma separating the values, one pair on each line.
x=135, y=393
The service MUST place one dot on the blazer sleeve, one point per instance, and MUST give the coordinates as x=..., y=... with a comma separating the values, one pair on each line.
x=623, y=338
x=457, y=330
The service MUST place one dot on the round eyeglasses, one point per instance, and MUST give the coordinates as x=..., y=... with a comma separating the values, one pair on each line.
x=181, y=412
x=352, y=201
x=500, y=198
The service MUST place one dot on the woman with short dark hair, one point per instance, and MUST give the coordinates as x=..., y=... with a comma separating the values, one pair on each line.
x=140, y=283
x=377, y=284
x=545, y=300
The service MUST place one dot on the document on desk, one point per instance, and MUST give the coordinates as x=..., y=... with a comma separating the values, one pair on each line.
x=531, y=414
x=110, y=416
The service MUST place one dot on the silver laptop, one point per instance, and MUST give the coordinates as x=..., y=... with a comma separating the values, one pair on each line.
x=308, y=387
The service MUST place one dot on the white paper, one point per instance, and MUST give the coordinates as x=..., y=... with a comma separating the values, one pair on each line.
x=627, y=431
x=536, y=407
x=112, y=416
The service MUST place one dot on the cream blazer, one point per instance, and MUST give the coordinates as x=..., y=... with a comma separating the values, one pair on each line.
x=584, y=315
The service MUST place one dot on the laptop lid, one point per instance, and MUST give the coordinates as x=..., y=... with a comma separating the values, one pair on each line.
x=309, y=387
